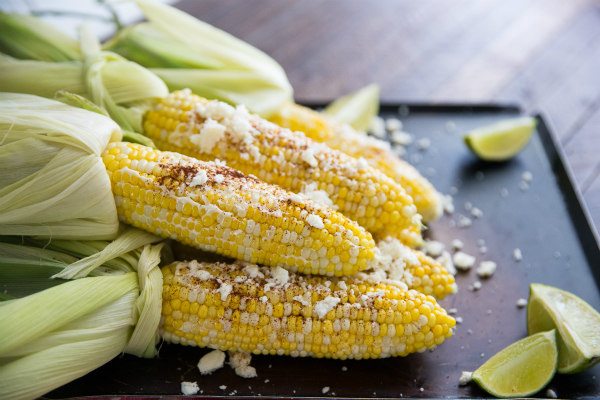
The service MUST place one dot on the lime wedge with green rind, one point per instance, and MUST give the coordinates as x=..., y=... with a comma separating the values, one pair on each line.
x=356, y=109
x=501, y=141
x=521, y=369
x=576, y=322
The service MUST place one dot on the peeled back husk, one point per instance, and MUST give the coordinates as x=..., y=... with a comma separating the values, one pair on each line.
x=28, y=37
x=52, y=336
x=54, y=183
x=119, y=86
x=188, y=53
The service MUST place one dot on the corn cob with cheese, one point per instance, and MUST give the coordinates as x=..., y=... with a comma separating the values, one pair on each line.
x=430, y=277
x=216, y=208
x=412, y=267
x=261, y=310
x=206, y=130
x=342, y=137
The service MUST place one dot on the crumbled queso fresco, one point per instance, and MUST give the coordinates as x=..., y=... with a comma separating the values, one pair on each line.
x=199, y=179
x=211, y=362
x=224, y=290
x=189, y=388
x=210, y=134
x=463, y=261
x=457, y=244
x=434, y=248
x=324, y=306
x=315, y=221
x=486, y=269
x=308, y=156
x=312, y=192
x=517, y=254
x=280, y=275
x=465, y=378
x=240, y=362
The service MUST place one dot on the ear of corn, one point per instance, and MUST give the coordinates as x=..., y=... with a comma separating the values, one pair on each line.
x=241, y=307
x=218, y=209
x=430, y=277
x=412, y=267
x=207, y=130
x=341, y=137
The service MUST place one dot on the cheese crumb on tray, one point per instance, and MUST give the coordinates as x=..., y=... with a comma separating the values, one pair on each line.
x=211, y=362
x=486, y=269
x=463, y=261
x=434, y=248
x=189, y=388
x=240, y=362
x=465, y=378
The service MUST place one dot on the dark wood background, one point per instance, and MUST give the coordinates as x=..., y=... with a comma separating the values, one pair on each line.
x=542, y=54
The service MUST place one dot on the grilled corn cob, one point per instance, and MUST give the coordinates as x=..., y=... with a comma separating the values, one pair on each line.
x=418, y=271
x=206, y=130
x=261, y=310
x=342, y=137
x=430, y=277
x=218, y=209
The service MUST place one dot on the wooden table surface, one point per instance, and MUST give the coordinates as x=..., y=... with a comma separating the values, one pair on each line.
x=541, y=54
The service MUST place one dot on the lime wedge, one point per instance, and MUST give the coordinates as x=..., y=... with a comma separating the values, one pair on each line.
x=521, y=369
x=356, y=109
x=501, y=141
x=576, y=322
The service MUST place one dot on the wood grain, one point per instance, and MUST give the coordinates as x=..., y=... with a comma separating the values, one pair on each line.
x=543, y=54
x=496, y=64
x=582, y=152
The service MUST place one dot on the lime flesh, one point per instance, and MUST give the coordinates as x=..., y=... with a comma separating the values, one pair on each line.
x=501, y=141
x=356, y=109
x=521, y=369
x=576, y=322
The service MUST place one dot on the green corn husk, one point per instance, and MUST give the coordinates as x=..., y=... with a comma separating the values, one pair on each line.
x=121, y=87
x=76, y=100
x=77, y=340
x=30, y=38
x=54, y=183
x=188, y=53
x=55, y=333
x=356, y=109
x=216, y=66
x=26, y=270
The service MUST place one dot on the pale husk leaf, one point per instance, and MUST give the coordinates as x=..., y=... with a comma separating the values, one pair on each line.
x=28, y=37
x=26, y=319
x=129, y=240
x=67, y=354
x=60, y=188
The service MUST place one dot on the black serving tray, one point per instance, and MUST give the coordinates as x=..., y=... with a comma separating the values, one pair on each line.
x=548, y=222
